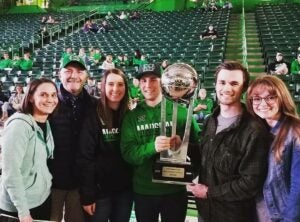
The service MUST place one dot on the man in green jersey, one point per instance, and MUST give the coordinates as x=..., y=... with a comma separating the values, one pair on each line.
x=141, y=144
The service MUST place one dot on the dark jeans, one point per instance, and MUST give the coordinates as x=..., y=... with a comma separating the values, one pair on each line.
x=172, y=207
x=115, y=208
x=41, y=212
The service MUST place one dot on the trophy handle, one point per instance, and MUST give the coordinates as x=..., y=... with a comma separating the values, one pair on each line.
x=179, y=155
x=163, y=117
x=182, y=155
x=163, y=154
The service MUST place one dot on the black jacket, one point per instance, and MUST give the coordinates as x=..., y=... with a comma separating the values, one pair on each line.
x=102, y=169
x=66, y=125
x=233, y=166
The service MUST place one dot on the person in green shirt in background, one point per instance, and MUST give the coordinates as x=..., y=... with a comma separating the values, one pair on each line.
x=16, y=61
x=6, y=62
x=26, y=62
x=141, y=144
x=220, y=4
x=295, y=66
x=122, y=61
x=96, y=57
x=135, y=93
x=202, y=105
x=141, y=61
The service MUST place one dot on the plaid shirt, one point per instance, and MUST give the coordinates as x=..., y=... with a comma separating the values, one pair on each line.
x=233, y=166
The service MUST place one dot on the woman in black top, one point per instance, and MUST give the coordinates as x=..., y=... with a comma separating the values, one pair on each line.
x=105, y=177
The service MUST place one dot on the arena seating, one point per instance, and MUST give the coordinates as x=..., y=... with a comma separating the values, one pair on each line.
x=19, y=30
x=280, y=32
x=159, y=35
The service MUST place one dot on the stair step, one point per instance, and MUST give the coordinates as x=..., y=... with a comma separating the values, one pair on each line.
x=255, y=57
x=234, y=44
x=256, y=44
x=254, y=50
x=256, y=66
x=233, y=55
x=257, y=74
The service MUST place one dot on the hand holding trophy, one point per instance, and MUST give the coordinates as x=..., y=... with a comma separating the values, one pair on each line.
x=179, y=83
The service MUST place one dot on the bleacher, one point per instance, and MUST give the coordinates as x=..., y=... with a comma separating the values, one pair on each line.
x=279, y=29
x=158, y=35
x=20, y=32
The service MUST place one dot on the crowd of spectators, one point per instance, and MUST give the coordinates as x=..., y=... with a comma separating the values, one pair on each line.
x=95, y=57
x=24, y=63
x=282, y=67
x=214, y=5
x=104, y=26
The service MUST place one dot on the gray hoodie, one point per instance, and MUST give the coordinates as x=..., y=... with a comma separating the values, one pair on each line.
x=26, y=181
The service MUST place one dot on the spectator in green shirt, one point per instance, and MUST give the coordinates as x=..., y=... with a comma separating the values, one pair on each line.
x=121, y=60
x=16, y=61
x=96, y=57
x=202, y=105
x=6, y=62
x=135, y=93
x=141, y=61
x=295, y=66
x=26, y=62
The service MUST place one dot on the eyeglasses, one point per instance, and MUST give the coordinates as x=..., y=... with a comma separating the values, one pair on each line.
x=269, y=100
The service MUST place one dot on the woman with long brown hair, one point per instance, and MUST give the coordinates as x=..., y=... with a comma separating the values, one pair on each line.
x=269, y=99
x=105, y=177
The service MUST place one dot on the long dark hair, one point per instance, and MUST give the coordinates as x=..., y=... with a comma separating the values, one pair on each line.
x=103, y=110
x=27, y=106
x=287, y=108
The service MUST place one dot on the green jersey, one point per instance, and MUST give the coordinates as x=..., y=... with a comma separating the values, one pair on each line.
x=119, y=63
x=16, y=63
x=295, y=67
x=135, y=92
x=209, y=105
x=97, y=57
x=6, y=63
x=26, y=65
x=139, y=129
x=139, y=62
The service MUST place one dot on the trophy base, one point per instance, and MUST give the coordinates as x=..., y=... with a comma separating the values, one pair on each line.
x=172, y=172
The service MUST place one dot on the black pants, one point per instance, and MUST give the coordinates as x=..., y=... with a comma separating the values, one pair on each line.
x=41, y=212
x=172, y=207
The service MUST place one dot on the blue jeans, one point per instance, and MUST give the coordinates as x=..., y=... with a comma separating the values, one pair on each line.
x=115, y=208
x=200, y=116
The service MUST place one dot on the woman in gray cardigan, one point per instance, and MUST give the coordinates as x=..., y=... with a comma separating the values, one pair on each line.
x=27, y=144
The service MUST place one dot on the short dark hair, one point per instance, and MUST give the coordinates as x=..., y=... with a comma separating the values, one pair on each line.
x=233, y=65
x=27, y=106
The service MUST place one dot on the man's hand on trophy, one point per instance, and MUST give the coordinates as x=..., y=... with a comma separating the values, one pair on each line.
x=162, y=143
x=198, y=190
x=167, y=143
x=175, y=142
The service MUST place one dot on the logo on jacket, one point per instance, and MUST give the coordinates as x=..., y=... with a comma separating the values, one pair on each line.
x=141, y=118
x=149, y=126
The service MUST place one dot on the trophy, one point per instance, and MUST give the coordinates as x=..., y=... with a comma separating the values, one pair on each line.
x=179, y=84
